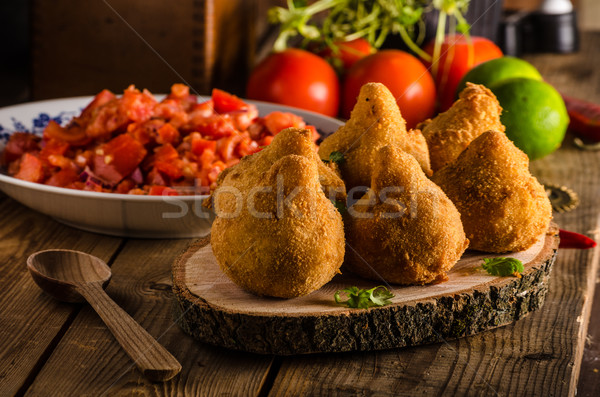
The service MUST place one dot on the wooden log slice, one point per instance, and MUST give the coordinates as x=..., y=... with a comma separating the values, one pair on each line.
x=208, y=306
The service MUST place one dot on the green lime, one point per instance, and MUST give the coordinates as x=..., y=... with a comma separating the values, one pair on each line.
x=490, y=72
x=534, y=115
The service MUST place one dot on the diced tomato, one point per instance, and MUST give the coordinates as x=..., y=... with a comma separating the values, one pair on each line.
x=167, y=161
x=314, y=132
x=215, y=170
x=226, y=102
x=167, y=134
x=226, y=147
x=125, y=186
x=199, y=144
x=266, y=141
x=147, y=132
x=133, y=144
x=118, y=158
x=63, y=178
x=245, y=117
x=84, y=158
x=217, y=126
x=180, y=91
x=154, y=177
x=156, y=190
x=200, y=112
x=19, y=143
x=53, y=147
x=277, y=121
x=72, y=134
x=100, y=99
x=137, y=106
x=56, y=160
x=246, y=147
x=170, y=169
x=170, y=108
x=165, y=153
x=30, y=169
x=105, y=120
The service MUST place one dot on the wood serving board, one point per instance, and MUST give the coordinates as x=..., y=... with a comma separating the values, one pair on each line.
x=211, y=308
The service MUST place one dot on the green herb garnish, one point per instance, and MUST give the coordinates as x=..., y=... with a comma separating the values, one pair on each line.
x=364, y=298
x=503, y=266
x=331, y=21
x=340, y=206
x=336, y=157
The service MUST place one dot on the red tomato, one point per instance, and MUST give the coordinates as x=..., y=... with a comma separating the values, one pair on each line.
x=348, y=52
x=63, y=178
x=296, y=78
x=457, y=57
x=30, y=169
x=19, y=143
x=118, y=158
x=225, y=102
x=157, y=190
x=403, y=74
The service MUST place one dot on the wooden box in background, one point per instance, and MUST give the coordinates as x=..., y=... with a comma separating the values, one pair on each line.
x=81, y=47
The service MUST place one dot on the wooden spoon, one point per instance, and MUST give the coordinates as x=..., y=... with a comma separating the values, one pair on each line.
x=73, y=276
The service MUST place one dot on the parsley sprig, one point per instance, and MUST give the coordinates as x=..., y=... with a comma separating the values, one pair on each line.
x=364, y=298
x=503, y=267
x=336, y=157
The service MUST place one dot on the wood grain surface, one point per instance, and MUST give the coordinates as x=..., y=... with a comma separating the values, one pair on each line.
x=89, y=361
x=31, y=323
x=72, y=276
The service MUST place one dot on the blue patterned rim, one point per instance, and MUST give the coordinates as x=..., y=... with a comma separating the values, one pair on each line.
x=36, y=125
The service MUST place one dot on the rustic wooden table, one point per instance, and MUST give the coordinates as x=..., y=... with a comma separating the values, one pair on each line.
x=52, y=348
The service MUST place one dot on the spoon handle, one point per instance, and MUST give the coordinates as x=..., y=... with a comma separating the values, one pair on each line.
x=155, y=362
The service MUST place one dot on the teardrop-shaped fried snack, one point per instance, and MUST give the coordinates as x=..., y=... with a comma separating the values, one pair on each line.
x=404, y=230
x=503, y=207
x=375, y=122
x=477, y=110
x=277, y=233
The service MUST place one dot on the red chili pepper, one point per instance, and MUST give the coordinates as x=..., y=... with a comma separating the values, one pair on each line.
x=574, y=240
x=585, y=118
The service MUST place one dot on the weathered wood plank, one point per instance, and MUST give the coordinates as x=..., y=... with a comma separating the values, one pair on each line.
x=30, y=320
x=89, y=361
x=578, y=75
x=539, y=355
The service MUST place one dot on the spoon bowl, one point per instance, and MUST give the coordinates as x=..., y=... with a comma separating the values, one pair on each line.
x=73, y=276
x=58, y=272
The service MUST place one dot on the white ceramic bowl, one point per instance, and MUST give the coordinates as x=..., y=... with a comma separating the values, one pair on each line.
x=111, y=213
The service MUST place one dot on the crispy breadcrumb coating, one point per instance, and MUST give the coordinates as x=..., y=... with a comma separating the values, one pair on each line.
x=503, y=207
x=404, y=230
x=375, y=122
x=477, y=110
x=277, y=233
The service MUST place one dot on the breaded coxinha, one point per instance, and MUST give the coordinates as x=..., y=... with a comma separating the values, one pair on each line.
x=404, y=230
x=477, y=110
x=503, y=207
x=375, y=122
x=277, y=233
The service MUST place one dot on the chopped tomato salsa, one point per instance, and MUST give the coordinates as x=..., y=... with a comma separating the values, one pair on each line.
x=135, y=144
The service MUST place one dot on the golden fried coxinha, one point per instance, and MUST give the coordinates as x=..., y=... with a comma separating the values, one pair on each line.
x=477, y=110
x=503, y=207
x=404, y=230
x=375, y=122
x=277, y=233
